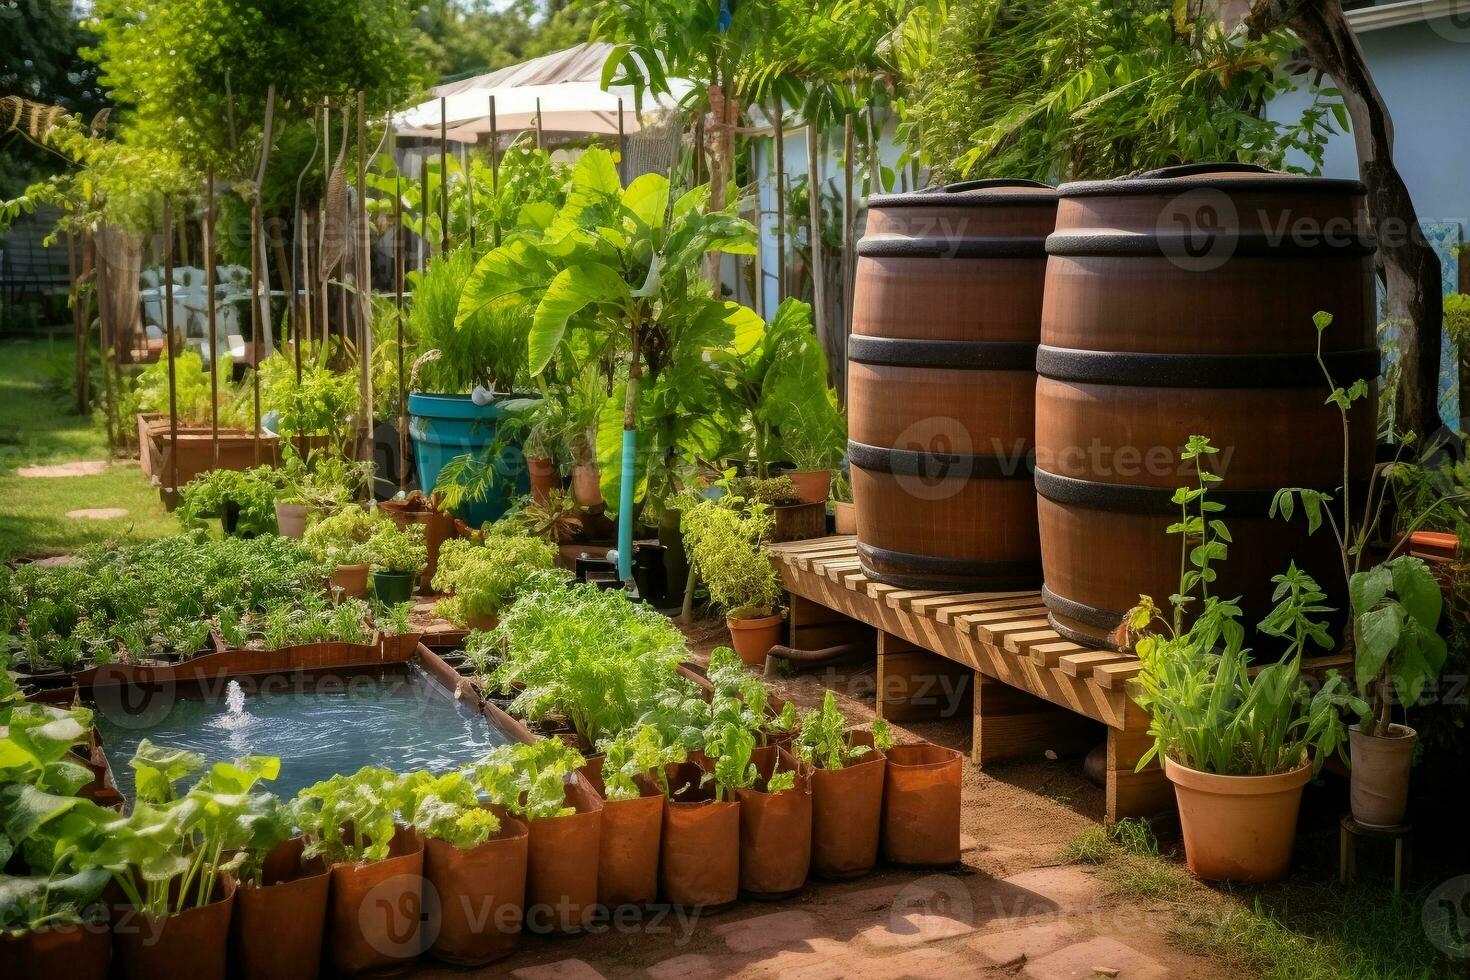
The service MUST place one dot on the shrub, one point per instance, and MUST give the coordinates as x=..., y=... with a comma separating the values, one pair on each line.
x=725, y=552
x=341, y=538
x=483, y=578
x=397, y=550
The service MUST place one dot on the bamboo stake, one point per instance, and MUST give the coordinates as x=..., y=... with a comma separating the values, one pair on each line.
x=469, y=188
x=398, y=305
x=443, y=177
x=256, y=347
x=364, y=286
x=323, y=293
x=622, y=146
x=814, y=200
x=210, y=317
x=847, y=231
x=168, y=343
x=780, y=203
x=495, y=168
x=760, y=255
x=79, y=330
x=538, y=123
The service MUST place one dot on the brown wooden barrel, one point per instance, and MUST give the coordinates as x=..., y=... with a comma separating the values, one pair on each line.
x=1177, y=303
x=941, y=384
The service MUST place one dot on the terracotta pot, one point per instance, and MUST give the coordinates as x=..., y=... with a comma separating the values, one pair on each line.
x=812, y=486
x=291, y=520
x=73, y=952
x=352, y=580
x=775, y=830
x=561, y=865
x=373, y=918
x=277, y=929
x=438, y=528
x=847, y=812
x=587, y=485
x=699, y=856
x=1379, y=791
x=844, y=517
x=193, y=944
x=753, y=638
x=921, y=805
x=544, y=477
x=481, y=893
x=632, y=830
x=1434, y=546
x=1238, y=828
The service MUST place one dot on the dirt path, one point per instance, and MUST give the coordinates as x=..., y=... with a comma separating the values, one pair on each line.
x=1010, y=909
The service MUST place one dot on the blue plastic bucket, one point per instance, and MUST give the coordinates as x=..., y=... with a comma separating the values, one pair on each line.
x=445, y=426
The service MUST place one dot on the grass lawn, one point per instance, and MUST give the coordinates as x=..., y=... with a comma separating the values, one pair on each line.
x=39, y=428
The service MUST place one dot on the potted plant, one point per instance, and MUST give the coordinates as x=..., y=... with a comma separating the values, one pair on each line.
x=415, y=508
x=481, y=578
x=847, y=774
x=1238, y=748
x=1396, y=610
x=539, y=784
x=52, y=922
x=844, y=511
x=814, y=437
x=724, y=543
x=633, y=767
x=173, y=858
x=475, y=861
x=921, y=805
x=397, y=555
x=352, y=823
x=699, y=857
x=338, y=540
x=281, y=903
x=243, y=500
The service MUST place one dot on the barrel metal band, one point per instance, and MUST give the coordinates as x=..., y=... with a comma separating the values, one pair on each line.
x=1120, y=498
x=937, y=466
x=891, y=565
x=967, y=355
x=1104, y=619
x=1213, y=248
x=904, y=247
x=1203, y=370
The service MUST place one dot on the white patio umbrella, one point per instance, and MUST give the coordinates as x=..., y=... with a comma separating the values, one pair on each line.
x=574, y=107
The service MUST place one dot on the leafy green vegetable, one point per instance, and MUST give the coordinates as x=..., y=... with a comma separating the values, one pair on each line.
x=825, y=741
x=634, y=753
x=447, y=807
x=529, y=780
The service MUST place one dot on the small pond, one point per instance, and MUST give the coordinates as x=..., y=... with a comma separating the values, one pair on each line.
x=319, y=727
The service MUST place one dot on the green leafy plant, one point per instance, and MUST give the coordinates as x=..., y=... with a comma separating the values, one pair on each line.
x=352, y=818
x=1207, y=711
x=529, y=780
x=341, y=538
x=447, y=807
x=398, y=550
x=825, y=741
x=253, y=492
x=482, y=578
x=455, y=356
x=1396, y=610
x=586, y=655
x=724, y=546
x=633, y=754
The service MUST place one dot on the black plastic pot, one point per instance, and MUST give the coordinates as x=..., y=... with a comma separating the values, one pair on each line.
x=393, y=588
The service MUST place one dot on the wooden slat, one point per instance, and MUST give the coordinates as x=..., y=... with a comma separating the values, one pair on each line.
x=995, y=633
x=814, y=544
x=1022, y=643
x=1047, y=654
x=824, y=565
x=905, y=598
x=968, y=622
x=852, y=581
x=815, y=563
x=1114, y=677
x=1083, y=664
x=946, y=614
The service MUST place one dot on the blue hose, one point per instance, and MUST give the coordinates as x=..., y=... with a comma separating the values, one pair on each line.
x=625, y=504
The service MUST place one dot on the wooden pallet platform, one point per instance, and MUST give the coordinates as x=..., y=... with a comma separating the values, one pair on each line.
x=1029, y=689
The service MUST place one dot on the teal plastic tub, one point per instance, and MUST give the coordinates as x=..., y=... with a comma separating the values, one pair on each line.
x=445, y=426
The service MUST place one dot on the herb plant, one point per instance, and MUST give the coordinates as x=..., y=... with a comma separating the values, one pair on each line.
x=529, y=780
x=482, y=578
x=633, y=753
x=724, y=544
x=826, y=743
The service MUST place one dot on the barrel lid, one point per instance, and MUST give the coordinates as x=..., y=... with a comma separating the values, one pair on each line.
x=1217, y=176
x=969, y=193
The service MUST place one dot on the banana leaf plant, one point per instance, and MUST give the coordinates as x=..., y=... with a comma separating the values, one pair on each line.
x=618, y=269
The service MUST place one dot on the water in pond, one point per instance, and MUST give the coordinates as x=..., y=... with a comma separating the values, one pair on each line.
x=403, y=721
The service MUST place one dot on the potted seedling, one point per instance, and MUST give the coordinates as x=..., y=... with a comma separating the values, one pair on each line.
x=699, y=865
x=632, y=775
x=844, y=511
x=398, y=556
x=481, y=578
x=539, y=784
x=813, y=436
x=174, y=856
x=1396, y=610
x=52, y=923
x=725, y=551
x=352, y=823
x=847, y=771
x=281, y=903
x=475, y=859
x=338, y=541
x=1238, y=748
x=415, y=508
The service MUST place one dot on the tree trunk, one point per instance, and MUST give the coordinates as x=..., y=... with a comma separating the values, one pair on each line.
x=720, y=135
x=1410, y=268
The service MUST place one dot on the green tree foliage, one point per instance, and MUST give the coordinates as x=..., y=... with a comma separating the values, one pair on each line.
x=1075, y=89
x=194, y=74
x=470, y=37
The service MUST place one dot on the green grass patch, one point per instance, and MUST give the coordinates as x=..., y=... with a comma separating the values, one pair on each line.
x=39, y=427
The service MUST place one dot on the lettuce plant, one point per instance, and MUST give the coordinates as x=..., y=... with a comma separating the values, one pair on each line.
x=447, y=807
x=352, y=819
x=529, y=780
x=825, y=741
x=341, y=537
x=634, y=753
x=481, y=579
